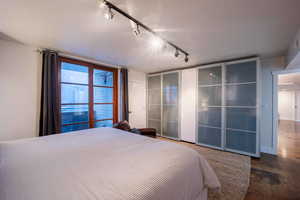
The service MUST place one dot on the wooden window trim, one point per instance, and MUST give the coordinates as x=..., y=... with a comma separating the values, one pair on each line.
x=91, y=67
x=81, y=84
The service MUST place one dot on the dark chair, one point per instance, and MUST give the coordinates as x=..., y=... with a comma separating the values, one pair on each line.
x=124, y=125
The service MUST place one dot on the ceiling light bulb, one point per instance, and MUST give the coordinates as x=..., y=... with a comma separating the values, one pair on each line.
x=156, y=42
x=109, y=15
x=177, y=53
x=186, y=58
x=101, y=3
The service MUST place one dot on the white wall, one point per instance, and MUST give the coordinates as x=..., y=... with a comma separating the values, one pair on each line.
x=286, y=105
x=137, y=98
x=297, y=105
x=293, y=56
x=266, y=126
x=19, y=91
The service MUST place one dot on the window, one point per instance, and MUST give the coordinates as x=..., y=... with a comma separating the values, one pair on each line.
x=88, y=95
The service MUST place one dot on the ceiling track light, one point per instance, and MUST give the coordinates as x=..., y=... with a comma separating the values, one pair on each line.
x=136, y=30
x=176, y=53
x=101, y=3
x=110, y=15
x=186, y=59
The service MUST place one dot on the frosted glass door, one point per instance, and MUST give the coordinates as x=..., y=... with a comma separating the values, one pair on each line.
x=154, y=103
x=170, y=105
x=241, y=107
x=210, y=106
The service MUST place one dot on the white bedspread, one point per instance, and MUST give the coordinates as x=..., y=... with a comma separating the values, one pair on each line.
x=102, y=164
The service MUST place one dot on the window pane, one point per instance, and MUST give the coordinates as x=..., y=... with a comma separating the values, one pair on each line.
x=74, y=114
x=154, y=96
x=170, y=95
x=210, y=76
x=170, y=129
x=74, y=127
x=210, y=136
x=154, y=112
x=106, y=123
x=241, y=95
x=241, y=141
x=241, y=72
x=210, y=116
x=170, y=113
x=154, y=82
x=103, y=78
x=74, y=93
x=72, y=73
x=103, y=95
x=170, y=80
x=103, y=111
x=210, y=96
x=241, y=118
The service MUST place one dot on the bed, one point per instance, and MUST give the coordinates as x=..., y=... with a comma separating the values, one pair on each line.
x=102, y=164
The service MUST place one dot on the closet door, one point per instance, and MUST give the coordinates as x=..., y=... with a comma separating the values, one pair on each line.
x=241, y=107
x=210, y=106
x=170, y=126
x=154, y=103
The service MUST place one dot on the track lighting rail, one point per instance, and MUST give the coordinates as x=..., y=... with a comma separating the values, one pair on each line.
x=140, y=24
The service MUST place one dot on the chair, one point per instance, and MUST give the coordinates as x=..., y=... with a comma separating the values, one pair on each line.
x=124, y=125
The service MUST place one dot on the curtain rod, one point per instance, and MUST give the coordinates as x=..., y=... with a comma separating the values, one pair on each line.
x=77, y=57
x=204, y=64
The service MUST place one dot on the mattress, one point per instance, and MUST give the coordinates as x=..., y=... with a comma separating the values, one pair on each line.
x=102, y=164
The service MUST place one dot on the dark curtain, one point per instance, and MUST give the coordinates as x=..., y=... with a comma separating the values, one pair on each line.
x=49, y=113
x=125, y=105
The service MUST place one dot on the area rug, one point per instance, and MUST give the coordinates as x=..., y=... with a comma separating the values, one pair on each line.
x=233, y=171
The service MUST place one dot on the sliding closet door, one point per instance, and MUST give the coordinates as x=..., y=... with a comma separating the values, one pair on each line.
x=210, y=106
x=241, y=107
x=154, y=103
x=170, y=105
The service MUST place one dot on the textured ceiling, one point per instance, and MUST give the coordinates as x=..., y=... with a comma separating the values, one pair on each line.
x=209, y=30
x=289, y=79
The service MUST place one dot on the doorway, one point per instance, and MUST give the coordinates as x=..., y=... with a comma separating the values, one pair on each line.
x=288, y=114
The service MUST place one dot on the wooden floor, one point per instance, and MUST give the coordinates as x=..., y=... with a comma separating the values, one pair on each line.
x=278, y=177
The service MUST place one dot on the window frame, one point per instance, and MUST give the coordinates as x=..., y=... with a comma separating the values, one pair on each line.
x=91, y=67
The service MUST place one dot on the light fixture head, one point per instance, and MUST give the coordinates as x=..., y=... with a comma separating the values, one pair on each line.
x=156, y=43
x=186, y=59
x=176, y=53
x=109, y=15
x=101, y=3
x=137, y=30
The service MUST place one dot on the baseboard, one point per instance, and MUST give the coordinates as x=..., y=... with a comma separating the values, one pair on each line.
x=286, y=119
x=267, y=150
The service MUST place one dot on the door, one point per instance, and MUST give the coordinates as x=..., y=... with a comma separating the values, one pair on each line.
x=170, y=105
x=227, y=110
x=154, y=103
x=286, y=105
x=210, y=106
x=137, y=99
x=188, y=105
x=241, y=101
